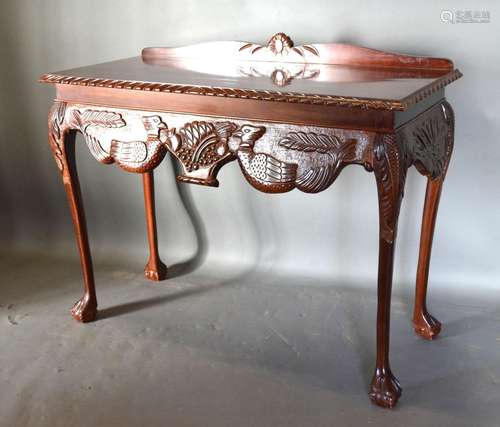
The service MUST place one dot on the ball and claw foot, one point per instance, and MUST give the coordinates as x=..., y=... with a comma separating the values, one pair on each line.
x=385, y=389
x=155, y=271
x=85, y=310
x=427, y=326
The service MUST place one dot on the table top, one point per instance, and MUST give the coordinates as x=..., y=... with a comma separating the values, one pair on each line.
x=310, y=74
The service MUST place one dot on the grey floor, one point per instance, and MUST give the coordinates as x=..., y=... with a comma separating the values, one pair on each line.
x=227, y=348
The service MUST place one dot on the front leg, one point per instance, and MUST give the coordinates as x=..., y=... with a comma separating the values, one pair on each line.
x=62, y=142
x=389, y=165
x=155, y=269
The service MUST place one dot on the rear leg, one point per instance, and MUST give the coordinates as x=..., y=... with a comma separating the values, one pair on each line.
x=155, y=269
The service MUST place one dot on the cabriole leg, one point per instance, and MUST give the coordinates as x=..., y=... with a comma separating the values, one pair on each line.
x=432, y=144
x=425, y=324
x=85, y=310
x=155, y=269
x=62, y=142
x=390, y=172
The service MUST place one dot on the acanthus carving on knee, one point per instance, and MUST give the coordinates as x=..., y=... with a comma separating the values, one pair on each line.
x=390, y=164
x=57, y=130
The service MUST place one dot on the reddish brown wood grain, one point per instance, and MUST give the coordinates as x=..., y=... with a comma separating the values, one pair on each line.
x=281, y=48
x=426, y=325
x=155, y=269
x=383, y=111
x=62, y=141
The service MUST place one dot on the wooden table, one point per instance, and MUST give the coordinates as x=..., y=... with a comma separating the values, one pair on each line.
x=292, y=116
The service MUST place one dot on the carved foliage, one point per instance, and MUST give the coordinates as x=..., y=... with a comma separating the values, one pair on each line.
x=132, y=156
x=390, y=164
x=87, y=121
x=320, y=177
x=426, y=142
x=323, y=157
x=307, y=160
x=310, y=142
x=57, y=116
x=62, y=119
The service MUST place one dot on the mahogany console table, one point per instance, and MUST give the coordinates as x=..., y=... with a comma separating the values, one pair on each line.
x=292, y=116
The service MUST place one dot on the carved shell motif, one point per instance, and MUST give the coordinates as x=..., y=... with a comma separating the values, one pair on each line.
x=280, y=45
x=429, y=146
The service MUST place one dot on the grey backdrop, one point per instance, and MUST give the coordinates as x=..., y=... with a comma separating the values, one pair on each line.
x=332, y=234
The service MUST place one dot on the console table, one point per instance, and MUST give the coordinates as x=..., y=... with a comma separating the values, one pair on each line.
x=292, y=116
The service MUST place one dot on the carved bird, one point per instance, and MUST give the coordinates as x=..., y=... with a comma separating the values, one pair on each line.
x=263, y=171
x=142, y=156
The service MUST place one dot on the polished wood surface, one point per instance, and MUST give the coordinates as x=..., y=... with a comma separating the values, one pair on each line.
x=155, y=269
x=346, y=106
x=327, y=74
x=62, y=139
x=318, y=81
x=426, y=325
x=281, y=48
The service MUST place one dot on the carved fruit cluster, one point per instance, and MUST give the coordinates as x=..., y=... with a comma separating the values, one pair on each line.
x=201, y=144
x=207, y=158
